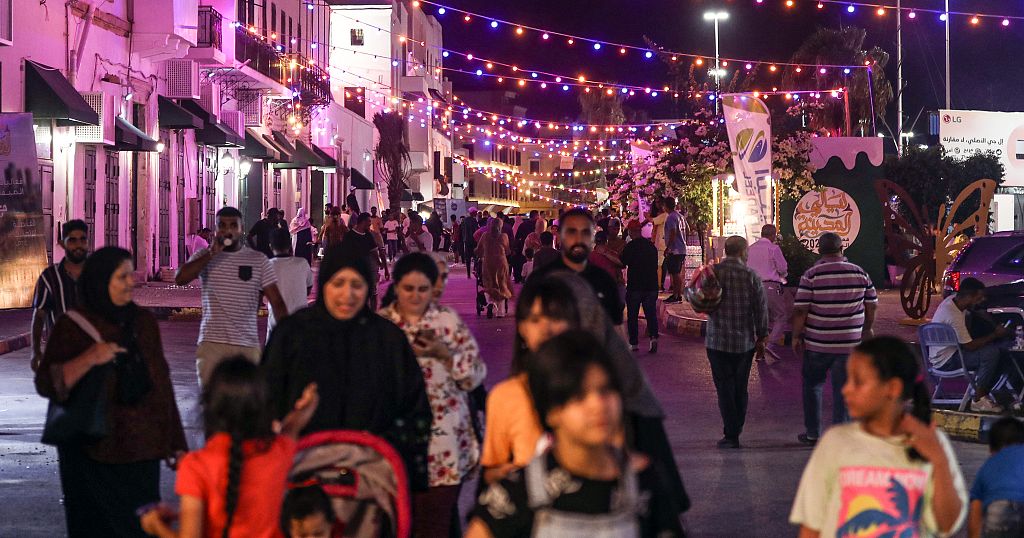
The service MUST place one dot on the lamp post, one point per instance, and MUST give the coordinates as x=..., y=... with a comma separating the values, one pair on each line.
x=716, y=16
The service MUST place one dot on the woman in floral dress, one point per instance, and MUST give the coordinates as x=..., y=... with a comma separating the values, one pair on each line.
x=450, y=359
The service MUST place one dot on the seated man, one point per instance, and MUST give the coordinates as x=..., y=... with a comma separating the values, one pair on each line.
x=997, y=496
x=980, y=355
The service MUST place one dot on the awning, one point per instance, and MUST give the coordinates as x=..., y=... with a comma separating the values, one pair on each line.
x=359, y=181
x=219, y=135
x=128, y=137
x=285, y=151
x=306, y=155
x=258, y=148
x=331, y=163
x=48, y=95
x=174, y=116
x=192, y=106
x=417, y=196
x=437, y=95
x=407, y=196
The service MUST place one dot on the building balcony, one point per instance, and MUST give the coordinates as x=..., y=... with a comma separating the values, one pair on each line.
x=209, y=48
x=310, y=80
x=165, y=30
x=417, y=85
x=262, y=60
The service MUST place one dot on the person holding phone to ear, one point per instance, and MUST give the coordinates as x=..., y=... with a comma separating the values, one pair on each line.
x=450, y=359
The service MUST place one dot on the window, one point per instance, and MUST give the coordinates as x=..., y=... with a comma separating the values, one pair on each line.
x=6, y=22
x=535, y=167
x=357, y=37
x=273, y=18
x=290, y=34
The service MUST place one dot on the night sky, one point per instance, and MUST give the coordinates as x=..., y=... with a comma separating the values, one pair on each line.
x=987, y=63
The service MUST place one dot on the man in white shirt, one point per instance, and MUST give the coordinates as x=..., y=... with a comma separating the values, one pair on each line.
x=294, y=276
x=198, y=241
x=980, y=355
x=766, y=259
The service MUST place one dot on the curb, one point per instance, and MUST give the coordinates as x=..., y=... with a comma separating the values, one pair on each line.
x=16, y=342
x=677, y=325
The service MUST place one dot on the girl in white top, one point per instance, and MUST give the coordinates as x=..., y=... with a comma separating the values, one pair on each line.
x=888, y=472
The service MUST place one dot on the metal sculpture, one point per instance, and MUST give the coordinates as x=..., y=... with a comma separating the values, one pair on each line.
x=925, y=250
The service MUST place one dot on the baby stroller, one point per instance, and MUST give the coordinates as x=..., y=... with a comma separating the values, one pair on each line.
x=478, y=277
x=365, y=478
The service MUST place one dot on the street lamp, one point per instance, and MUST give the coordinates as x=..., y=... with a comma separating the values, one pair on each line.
x=717, y=16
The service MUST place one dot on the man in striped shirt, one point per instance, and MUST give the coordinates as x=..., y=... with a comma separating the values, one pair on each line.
x=834, y=309
x=233, y=277
x=56, y=291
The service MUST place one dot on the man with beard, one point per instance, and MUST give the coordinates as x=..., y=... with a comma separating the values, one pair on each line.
x=56, y=289
x=233, y=277
x=576, y=232
x=259, y=235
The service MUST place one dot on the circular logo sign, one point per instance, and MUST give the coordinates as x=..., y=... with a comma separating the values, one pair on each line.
x=831, y=210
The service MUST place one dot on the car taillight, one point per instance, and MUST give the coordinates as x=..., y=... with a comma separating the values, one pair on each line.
x=953, y=280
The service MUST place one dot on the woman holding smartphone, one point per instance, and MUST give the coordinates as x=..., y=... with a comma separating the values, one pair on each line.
x=450, y=359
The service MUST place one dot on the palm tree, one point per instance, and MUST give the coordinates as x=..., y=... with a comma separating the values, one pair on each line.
x=391, y=156
x=844, y=46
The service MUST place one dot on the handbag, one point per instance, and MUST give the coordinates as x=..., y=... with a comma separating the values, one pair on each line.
x=82, y=418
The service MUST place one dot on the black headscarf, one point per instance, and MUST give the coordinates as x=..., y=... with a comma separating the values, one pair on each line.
x=335, y=259
x=94, y=284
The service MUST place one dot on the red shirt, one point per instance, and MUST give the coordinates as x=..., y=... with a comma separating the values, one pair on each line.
x=204, y=474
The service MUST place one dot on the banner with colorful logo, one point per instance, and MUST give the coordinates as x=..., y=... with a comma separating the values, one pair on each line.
x=22, y=237
x=748, y=124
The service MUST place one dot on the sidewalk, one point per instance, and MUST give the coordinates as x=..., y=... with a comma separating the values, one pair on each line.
x=680, y=318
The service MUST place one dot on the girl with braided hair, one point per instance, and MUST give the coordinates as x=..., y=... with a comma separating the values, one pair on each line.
x=233, y=486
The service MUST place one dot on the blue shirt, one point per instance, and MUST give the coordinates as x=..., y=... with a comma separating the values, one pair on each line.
x=675, y=222
x=1001, y=478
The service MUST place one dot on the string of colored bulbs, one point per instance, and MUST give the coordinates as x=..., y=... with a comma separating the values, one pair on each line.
x=597, y=44
x=523, y=121
x=911, y=13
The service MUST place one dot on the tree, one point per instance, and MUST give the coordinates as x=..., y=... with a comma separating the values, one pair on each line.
x=932, y=178
x=391, y=156
x=844, y=46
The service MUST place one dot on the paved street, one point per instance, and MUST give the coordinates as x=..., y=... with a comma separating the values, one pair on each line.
x=743, y=492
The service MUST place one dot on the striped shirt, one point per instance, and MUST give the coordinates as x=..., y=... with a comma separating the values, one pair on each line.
x=232, y=283
x=834, y=292
x=56, y=293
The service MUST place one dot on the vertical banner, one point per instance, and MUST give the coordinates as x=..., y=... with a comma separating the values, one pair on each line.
x=748, y=124
x=22, y=237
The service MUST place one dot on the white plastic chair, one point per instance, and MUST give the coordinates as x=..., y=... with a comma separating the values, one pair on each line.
x=941, y=335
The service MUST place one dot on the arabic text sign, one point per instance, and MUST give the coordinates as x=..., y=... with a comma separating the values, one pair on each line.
x=831, y=210
x=22, y=238
x=750, y=138
x=968, y=132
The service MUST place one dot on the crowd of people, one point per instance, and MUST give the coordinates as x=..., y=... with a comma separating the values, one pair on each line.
x=571, y=443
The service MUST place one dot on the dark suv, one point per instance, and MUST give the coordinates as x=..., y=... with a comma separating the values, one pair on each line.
x=998, y=261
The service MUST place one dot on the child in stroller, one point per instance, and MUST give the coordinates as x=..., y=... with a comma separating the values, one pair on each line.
x=363, y=476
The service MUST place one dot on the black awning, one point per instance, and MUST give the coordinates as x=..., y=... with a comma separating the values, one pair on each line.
x=174, y=116
x=359, y=181
x=305, y=154
x=192, y=106
x=219, y=135
x=437, y=95
x=128, y=137
x=417, y=196
x=48, y=95
x=325, y=156
x=407, y=196
x=258, y=148
x=281, y=140
x=285, y=151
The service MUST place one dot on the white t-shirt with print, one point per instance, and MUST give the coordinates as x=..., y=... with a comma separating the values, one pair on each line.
x=294, y=277
x=232, y=283
x=950, y=314
x=391, y=230
x=856, y=481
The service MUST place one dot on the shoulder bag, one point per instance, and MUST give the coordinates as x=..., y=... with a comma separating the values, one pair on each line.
x=82, y=418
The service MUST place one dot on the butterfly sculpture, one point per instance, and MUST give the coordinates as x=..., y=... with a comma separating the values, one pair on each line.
x=925, y=250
